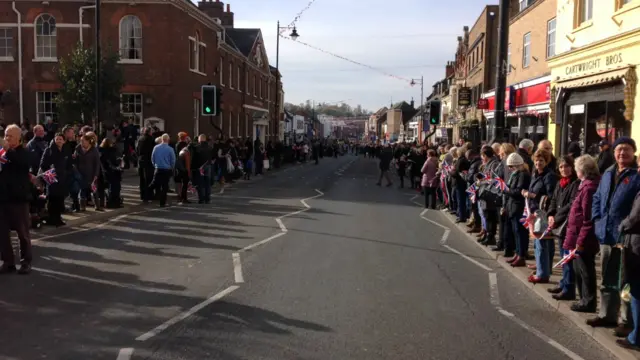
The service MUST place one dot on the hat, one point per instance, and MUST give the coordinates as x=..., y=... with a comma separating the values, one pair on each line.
x=625, y=140
x=603, y=143
x=514, y=160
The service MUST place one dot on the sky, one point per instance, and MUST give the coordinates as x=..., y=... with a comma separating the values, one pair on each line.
x=406, y=38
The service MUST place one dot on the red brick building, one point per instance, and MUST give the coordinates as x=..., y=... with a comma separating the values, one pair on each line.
x=168, y=49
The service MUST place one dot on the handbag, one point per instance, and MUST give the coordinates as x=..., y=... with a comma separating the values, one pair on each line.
x=230, y=167
x=557, y=231
x=265, y=164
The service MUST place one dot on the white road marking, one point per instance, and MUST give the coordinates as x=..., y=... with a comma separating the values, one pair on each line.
x=221, y=190
x=494, y=294
x=484, y=267
x=184, y=315
x=570, y=354
x=281, y=224
x=125, y=354
x=259, y=243
x=237, y=268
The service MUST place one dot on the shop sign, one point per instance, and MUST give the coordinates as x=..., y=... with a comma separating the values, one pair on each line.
x=531, y=95
x=510, y=99
x=594, y=64
x=464, y=96
x=483, y=104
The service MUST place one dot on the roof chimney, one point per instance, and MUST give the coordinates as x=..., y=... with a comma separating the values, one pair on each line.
x=228, y=8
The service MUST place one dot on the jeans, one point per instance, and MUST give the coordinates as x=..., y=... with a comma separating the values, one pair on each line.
x=203, y=183
x=568, y=281
x=611, y=257
x=461, y=201
x=521, y=235
x=543, y=260
x=483, y=218
x=145, y=172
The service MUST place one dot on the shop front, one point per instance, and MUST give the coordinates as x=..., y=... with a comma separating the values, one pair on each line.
x=527, y=110
x=260, y=119
x=594, y=92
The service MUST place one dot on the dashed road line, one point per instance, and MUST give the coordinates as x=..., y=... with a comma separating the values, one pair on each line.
x=125, y=354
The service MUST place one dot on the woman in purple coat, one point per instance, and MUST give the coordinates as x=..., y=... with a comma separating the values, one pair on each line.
x=581, y=235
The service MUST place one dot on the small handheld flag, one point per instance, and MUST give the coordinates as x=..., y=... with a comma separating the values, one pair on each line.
x=50, y=176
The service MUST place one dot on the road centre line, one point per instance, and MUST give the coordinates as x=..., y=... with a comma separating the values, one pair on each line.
x=237, y=268
x=184, y=315
x=479, y=264
x=494, y=294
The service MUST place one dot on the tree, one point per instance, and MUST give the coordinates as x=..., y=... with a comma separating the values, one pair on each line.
x=77, y=75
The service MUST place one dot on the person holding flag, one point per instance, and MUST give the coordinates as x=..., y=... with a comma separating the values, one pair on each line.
x=54, y=161
x=514, y=207
x=581, y=235
x=430, y=179
x=558, y=214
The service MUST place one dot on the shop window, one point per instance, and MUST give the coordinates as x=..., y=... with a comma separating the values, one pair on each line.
x=589, y=123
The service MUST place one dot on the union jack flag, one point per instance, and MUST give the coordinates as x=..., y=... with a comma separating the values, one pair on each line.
x=566, y=259
x=525, y=220
x=201, y=170
x=3, y=157
x=191, y=189
x=472, y=193
x=501, y=184
x=50, y=176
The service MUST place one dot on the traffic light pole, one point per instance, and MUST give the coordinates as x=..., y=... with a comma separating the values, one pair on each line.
x=98, y=118
x=502, y=69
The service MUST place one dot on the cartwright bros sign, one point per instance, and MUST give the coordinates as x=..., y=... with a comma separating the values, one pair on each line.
x=594, y=64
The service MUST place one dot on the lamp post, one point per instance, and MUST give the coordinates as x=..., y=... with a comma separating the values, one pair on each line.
x=421, y=82
x=294, y=35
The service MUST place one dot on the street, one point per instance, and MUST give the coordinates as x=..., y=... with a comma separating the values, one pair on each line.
x=311, y=262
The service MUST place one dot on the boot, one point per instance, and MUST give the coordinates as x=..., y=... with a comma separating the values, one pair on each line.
x=76, y=205
x=83, y=205
x=99, y=202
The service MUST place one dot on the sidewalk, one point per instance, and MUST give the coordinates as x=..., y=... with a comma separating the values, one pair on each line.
x=603, y=336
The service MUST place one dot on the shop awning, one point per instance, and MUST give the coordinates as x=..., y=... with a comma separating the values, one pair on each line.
x=628, y=74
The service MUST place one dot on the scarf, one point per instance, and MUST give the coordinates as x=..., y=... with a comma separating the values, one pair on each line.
x=564, y=182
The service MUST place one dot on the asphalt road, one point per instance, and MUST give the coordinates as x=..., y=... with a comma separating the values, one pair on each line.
x=357, y=275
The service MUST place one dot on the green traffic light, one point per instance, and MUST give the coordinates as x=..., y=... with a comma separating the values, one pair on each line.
x=207, y=109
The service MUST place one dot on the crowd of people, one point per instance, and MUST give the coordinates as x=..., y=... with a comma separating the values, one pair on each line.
x=573, y=208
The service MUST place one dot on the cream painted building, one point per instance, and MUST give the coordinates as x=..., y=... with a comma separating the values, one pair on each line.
x=594, y=76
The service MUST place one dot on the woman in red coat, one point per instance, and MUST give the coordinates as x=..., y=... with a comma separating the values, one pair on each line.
x=581, y=235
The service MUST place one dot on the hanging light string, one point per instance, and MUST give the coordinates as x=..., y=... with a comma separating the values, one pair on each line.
x=349, y=60
x=295, y=19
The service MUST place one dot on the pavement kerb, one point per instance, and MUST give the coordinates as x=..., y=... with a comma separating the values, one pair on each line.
x=603, y=336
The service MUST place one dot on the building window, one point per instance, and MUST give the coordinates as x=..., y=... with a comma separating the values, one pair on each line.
x=230, y=122
x=238, y=127
x=523, y=5
x=246, y=125
x=526, y=50
x=508, y=69
x=622, y=3
x=130, y=39
x=238, y=79
x=46, y=44
x=246, y=81
x=197, y=52
x=255, y=86
x=551, y=37
x=231, y=75
x=131, y=106
x=6, y=44
x=261, y=85
x=584, y=11
x=46, y=106
x=221, y=69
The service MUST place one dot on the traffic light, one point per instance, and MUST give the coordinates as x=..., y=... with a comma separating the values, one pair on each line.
x=434, y=112
x=208, y=100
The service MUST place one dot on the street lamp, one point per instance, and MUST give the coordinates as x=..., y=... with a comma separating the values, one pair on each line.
x=421, y=82
x=294, y=36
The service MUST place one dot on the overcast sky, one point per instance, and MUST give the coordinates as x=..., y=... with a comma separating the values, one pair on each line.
x=407, y=38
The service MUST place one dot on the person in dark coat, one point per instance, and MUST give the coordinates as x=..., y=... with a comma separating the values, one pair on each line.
x=581, y=235
x=525, y=149
x=459, y=186
x=475, y=163
x=111, y=176
x=630, y=229
x=519, y=180
x=605, y=157
x=144, y=148
x=56, y=157
x=386, y=155
x=15, y=196
x=36, y=148
x=558, y=214
x=611, y=204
